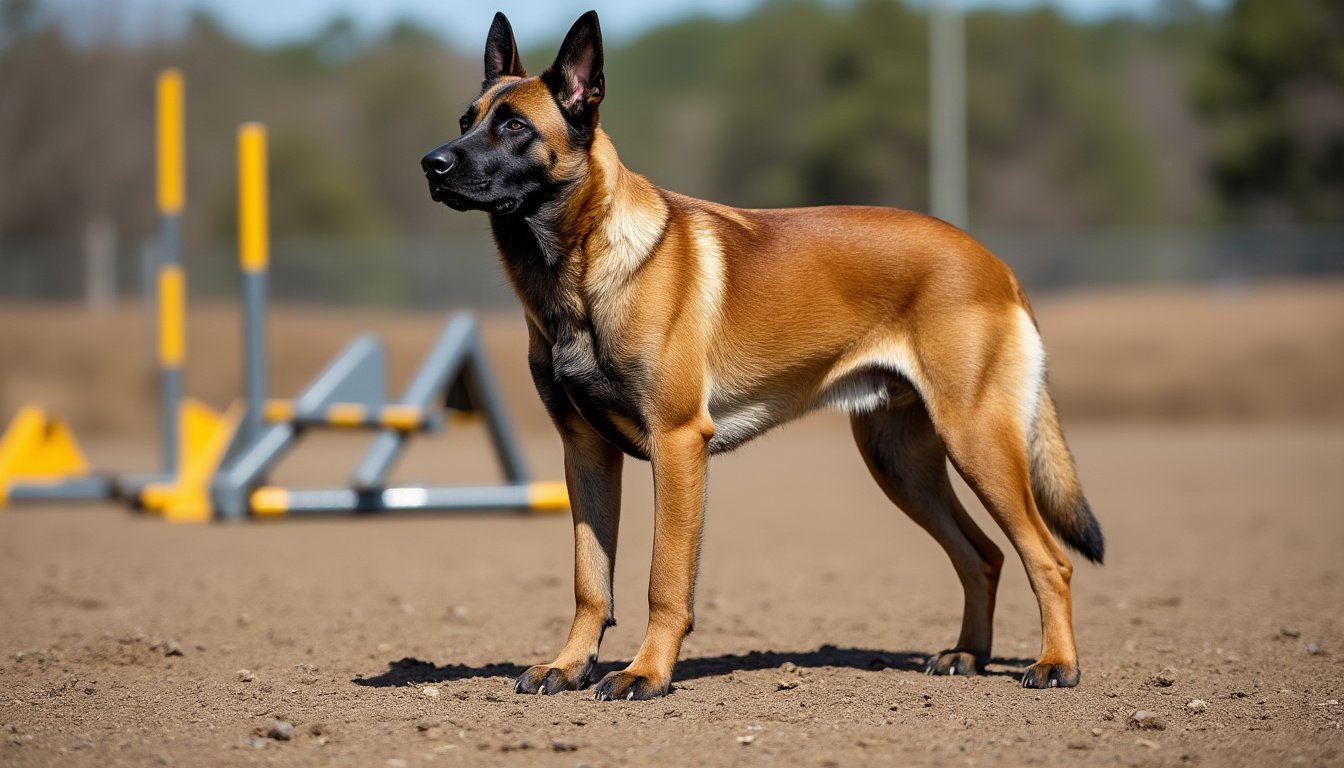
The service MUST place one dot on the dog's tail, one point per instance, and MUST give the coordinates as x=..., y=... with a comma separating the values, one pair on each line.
x=1054, y=483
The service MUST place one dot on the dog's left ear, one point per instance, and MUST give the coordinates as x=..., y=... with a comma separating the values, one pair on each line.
x=576, y=76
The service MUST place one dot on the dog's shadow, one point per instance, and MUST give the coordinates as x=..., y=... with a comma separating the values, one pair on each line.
x=411, y=671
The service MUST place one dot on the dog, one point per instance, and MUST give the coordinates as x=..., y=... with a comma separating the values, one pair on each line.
x=669, y=329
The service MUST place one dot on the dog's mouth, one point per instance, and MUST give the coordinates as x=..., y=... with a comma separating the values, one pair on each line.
x=472, y=196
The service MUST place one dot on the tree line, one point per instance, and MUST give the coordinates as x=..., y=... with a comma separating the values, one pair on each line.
x=1189, y=118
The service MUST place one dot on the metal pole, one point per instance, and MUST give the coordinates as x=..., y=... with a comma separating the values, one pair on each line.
x=947, y=113
x=254, y=258
x=172, y=287
x=100, y=264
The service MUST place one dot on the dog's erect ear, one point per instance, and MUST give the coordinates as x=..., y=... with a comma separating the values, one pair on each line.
x=576, y=76
x=501, y=52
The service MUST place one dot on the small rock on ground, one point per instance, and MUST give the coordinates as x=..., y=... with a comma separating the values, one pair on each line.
x=1146, y=720
x=281, y=730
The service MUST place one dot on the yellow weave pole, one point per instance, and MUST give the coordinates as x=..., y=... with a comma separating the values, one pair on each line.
x=254, y=256
x=253, y=223
x=171, y=143
x=172, y=284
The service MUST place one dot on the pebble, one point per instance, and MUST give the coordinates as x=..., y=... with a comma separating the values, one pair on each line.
x=246, y=676
x=1096, y=731
x=788, y=666
x=1166, y=678
x=170, y=647
x=281, y=730
x=1147, y=720
x=745, y=740
x=1149, y=743
x=1315, y=650
x=1197, y=705
x=785, y=685
x=429, y=692
x=1290, y=632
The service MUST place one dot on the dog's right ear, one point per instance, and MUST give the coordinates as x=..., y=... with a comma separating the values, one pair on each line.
x=501, y=52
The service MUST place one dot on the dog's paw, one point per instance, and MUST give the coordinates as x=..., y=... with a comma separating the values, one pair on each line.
x=954, y=661
x=630, y=685
x=546, y=679
x=1044, y=674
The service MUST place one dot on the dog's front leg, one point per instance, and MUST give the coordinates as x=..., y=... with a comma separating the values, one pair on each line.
x=593, y=474
x=679, y=459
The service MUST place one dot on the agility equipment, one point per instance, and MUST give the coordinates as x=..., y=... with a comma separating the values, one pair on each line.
x=454, y=380
x=349, y=394
x=39, y=459
x=215, y=465
x=42, y=460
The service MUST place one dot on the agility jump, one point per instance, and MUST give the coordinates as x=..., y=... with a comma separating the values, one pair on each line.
x=215, y=466
x=40, y=458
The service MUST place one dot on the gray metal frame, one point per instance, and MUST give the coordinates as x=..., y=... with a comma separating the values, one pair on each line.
x=453, y=375
x=92, y=488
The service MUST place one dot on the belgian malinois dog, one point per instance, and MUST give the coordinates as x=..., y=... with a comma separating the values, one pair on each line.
x=670, y=329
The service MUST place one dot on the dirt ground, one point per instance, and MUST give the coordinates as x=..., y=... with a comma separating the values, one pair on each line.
x=393, y=642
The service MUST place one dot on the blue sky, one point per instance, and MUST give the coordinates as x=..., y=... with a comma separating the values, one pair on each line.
x=465, y=23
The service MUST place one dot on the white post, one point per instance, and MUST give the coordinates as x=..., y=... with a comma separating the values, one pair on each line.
x=947, y=111
x=100, y=264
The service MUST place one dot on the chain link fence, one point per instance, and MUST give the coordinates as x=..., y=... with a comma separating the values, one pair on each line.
x=464, y=271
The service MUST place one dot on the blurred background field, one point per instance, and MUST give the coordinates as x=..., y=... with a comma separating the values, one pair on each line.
x=1167, y=182
x=1188, y=356
x=1191, y=142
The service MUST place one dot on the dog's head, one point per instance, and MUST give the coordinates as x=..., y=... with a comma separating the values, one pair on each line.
x=524, y=139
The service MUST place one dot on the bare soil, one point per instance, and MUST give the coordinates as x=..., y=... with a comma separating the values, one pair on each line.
x=1253, y=353
x=388, y=642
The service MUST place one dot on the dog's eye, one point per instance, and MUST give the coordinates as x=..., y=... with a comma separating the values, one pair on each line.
x=515, y=125
x=464, y=123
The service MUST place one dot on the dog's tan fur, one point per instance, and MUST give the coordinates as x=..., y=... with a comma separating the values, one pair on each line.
x=728, y=322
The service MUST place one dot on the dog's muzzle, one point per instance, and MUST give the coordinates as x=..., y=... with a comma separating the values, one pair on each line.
x=436, y=166
x=458, y=192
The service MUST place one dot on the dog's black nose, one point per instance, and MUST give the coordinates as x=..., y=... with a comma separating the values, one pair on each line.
x=437, y=163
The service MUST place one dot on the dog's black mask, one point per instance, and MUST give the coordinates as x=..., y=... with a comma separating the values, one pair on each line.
x=517, y=130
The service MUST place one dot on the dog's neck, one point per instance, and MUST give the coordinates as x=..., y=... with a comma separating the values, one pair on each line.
x=582, y=245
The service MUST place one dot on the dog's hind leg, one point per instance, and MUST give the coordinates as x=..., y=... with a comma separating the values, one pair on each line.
x=989, y=450
x=593, y=474
x=909, y=461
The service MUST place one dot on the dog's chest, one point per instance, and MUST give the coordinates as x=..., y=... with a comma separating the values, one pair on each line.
x=606, y=392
